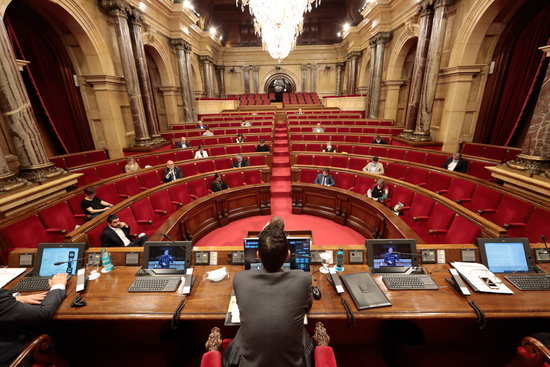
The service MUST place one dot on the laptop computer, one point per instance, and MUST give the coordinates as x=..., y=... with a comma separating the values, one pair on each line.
x=507, y=255
x=163, y=258
x=300, y=253
x=391, y=255
x=51, y=259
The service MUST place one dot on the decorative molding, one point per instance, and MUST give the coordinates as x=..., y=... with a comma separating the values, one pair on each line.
x=116, y=8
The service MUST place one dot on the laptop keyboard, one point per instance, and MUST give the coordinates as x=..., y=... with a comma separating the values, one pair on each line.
x=153, y=284
x=31, y=285
x=530, y=282
x=396, y=282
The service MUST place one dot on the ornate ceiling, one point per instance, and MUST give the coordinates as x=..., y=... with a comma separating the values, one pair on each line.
x=321, y=25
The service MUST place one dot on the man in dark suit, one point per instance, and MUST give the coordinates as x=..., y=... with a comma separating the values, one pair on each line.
x=262, y=147
x=20, y=317
x=325, y=178
x=272, y=305
x=117, y=234
x=456, y=163
x=240, y=161
x=183, y=143
x=171, y=172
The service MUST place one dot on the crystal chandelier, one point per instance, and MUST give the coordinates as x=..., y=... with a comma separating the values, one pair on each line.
x=278, y=22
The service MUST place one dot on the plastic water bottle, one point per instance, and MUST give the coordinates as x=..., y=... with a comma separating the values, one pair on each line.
x=340, y=260
x=106, y=261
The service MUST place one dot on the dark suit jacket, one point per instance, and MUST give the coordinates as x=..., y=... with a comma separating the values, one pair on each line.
x=20, y=322
x=244, y=163
x=177, y=172
x=110, y=238
x=179, y=145
x=272, y=308
x=319, y=180
x=461, y=166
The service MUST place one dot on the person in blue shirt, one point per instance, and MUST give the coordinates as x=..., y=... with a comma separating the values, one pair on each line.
x=165, y=260
x=391, y=259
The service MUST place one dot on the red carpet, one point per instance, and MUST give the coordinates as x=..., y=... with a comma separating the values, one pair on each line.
x=325, y=232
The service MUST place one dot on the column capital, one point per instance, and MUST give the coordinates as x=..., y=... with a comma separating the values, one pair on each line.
x=425, y=7
x=354, y=55
x=187, y=47
x=442, y=3
x=382, y=37
x=220, y=68
x=303, y=67
x=177, y=43
x=254, y=68
x=116, y=8
x=340, y=65
x=314, y=67
x=206, y=59
x=246, y=68
x=545, y=49
x=136, y=16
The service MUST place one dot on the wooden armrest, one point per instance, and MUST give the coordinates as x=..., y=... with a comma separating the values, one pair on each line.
x=194, y=197
x=416, y=219
x=80, y=215
x=464, y=200
x=56, y=230
x=441, y=191
x=177, y=203
x=41, y=349
x=435, y=231
x=143, y=188
x=125, y=196
x=163, y=212
x=532, y=345
x=210, y=191
x=481, y=211
x=421, y=184
x=144, y=221
x=511, y=225
x=402, y=178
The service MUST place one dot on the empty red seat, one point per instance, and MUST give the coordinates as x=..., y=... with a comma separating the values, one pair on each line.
x=477, y=169
x=234, y=179
x=89, y=175
x=379, y=151
x=397, y=153
x=361, y=149
x=96, y=156
x=27, y=232
x=197, y=188
x=59, y=162
x=537, y=225
x=148, y=180
x=492, y=152
x=165, y=157
x=248, y=148
x=345, y=180
x=432, y=228
x=223, y=163
x=416, y=175
x=107, y=170
x=421, y=207
x=205, y=165
x=338, y=161
x=484, y=199
x=145, y=216
x=321, y=160
x=304, y=159
x=252, y=177
x=460, y=190
x=415, y=156
x=437, y=182
x=162, y=203
x=435, y=160
x=188, y=169
x=58, y=219
x=234, y=149
x=150, y=160
x=401, y=195
x=108, y=193
x=127, y=187
x=395, y=170
x=307, y=175
x=94, y=235
x=74, y=160
x=183, y=155
x=180, y=195
x=257, y=160
x=217, y=151
x=462, y=231
x=510, y=210
x=473, y=149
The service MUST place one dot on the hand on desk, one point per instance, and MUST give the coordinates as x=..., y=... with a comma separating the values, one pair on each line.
x=32, y=299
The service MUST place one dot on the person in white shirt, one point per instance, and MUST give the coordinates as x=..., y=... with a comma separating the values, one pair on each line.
x=245, y=123
x=117, y=234
x=208, y=133
x=201, y=153
x=374, y=167
x=456, y=163
x=318, y=128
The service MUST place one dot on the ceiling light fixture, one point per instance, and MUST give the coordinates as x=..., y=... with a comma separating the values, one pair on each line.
x=279, y=23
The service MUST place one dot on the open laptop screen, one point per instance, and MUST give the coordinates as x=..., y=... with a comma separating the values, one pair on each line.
x=391, y=253
x=163, y=255
x=505, y=255
x=49, y=254
x=299, y=253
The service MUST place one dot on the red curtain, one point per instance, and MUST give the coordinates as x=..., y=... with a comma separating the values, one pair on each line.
x=524, y=64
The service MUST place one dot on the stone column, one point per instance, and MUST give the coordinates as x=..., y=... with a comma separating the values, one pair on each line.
x=120, y=10
x=8, y=180
x=221, y=83
x=313, y=78
x=381, y=39
x=535, y=156
x=179, y=47
x=208, y=82
x=372, y=45
x=255, y=78
x=433, y=61
x=190, y=86
x=339, y=67
x=352, y=71
x=136, y=20
x=425, y=9
x=304, y=77
x=246, y=76
x=16, y=108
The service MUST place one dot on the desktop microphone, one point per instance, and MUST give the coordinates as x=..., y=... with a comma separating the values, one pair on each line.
x=543, y=238
x=542, y=255
x=69, y=261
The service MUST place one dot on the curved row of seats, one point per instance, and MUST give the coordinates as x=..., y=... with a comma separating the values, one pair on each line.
x=338, y=137
x=476, y=166
x=499, y=153
x=300, y=119
x=66, y=161
x=436, y=219
x=518, y=215
x=107, y=169
x=394, y=131
x=213, y=140
x=53, y=219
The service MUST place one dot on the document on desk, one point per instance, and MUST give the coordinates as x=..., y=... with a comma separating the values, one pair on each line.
x=480, y=278
x=9, y=274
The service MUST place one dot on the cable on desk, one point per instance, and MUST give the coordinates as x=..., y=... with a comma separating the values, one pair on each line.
x=78, y=301
x=175, y=323
x=349, y=314
x=481, y=319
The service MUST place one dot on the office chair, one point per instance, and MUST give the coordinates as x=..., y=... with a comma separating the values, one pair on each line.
x=531, y=353
x=41, y=350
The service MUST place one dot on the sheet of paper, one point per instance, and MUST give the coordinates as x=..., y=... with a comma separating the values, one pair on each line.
x=474, y=274
x=9, y=274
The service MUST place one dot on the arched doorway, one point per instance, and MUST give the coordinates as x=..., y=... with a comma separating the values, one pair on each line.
x=49, y=80
x=278, y=84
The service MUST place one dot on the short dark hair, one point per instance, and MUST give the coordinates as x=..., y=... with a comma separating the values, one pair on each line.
x=278, y=222
x=273, y=248
x=111, y=218
x=90, y=190
x=326, y=170
x=375, y=159
x=262, y=141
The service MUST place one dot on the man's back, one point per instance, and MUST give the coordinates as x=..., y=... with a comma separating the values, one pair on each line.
x=272, y=308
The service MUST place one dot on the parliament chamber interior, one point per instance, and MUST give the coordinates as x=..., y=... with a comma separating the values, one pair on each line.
x=404, y=134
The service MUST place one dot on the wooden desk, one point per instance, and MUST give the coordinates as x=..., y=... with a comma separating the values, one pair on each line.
x=108, y=299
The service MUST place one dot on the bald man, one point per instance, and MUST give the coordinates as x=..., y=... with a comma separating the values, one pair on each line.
x=171, y=172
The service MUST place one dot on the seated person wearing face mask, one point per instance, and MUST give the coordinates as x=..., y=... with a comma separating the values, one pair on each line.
x=329, y=148
x=374, y=167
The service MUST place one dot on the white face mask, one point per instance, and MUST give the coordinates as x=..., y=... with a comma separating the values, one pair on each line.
x=217, y=275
